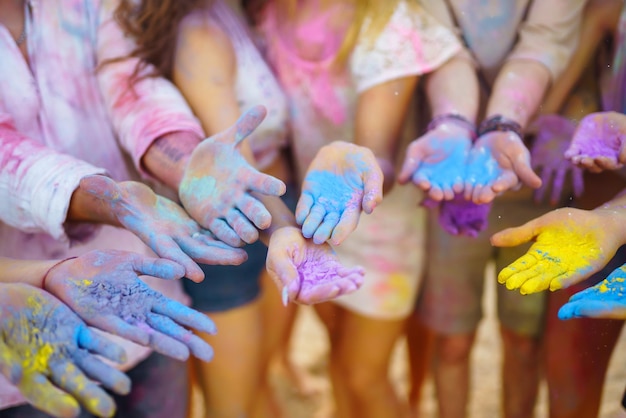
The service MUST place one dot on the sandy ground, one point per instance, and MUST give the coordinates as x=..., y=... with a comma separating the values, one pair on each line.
x=309, y=349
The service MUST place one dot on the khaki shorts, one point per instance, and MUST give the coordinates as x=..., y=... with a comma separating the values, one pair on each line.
x=451, y=298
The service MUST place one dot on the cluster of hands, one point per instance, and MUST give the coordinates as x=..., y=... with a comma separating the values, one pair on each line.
x=461, y=178
x=47, y=341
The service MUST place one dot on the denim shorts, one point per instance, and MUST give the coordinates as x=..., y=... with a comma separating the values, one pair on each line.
x=229, y=287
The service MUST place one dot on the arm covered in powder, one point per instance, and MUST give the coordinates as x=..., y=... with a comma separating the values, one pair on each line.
x=36, y=183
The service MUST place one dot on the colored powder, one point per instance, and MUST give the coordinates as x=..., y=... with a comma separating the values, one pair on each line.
x=334, y=192
x=447, y=166
x=483, y=168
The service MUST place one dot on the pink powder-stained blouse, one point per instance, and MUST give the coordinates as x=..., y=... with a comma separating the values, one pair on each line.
x=322, y=101
x=61, y=117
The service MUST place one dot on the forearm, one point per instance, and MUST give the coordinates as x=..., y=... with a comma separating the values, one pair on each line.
x=518, y=91
x=168, y=156
x=31, y=272
x=86, y=206
x=615, y=210
x=453, y=89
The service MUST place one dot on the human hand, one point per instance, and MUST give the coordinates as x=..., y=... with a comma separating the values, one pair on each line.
x=570, y=245
x=217, y=182
x=49, y=354
x=462, y=217
x=498, y=161
x=342, y=180
x=310, y=272
x=599, y=143
x=104, y=289
x=436, y=161
x=162, y=225
x=554, y=134
x=607, y=299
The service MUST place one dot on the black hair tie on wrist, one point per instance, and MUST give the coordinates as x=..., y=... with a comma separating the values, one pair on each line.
x=499, y=123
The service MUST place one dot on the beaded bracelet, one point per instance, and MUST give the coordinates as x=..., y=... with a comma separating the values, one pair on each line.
x=454, y=118
x=500, y=124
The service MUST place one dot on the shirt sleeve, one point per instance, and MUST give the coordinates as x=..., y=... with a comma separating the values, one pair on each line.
x=145, y=111
x=412, y=43
x=550, y=33
x=36, y=183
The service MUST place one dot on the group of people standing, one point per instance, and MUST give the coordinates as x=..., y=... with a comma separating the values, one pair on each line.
x=163, y=162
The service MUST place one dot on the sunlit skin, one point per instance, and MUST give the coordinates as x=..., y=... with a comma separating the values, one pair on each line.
x=569, y=245
x=607, y=299
x=342, y=180
x=552, y=139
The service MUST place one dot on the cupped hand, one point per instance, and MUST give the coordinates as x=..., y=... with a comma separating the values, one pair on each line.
x=162, y=225
x=104, y=289
x=553, y=137
x=599, y=143
x=461, y=216
x=49, y=354
x=607, y=299
x=436, y=161
x=570, y=245
x=311, y=273
x=498, y=161
x=342, y=180
x=217, y=182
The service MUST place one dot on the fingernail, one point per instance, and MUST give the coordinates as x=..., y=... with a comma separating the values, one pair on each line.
x=285, y=296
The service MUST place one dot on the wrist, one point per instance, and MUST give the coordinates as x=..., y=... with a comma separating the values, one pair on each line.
x=49, y=270
x=91, y=201
x=169, y=155
x=499, y=123
x=453, y=120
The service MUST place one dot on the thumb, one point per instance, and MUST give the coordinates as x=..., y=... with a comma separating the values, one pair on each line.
x=622, y=151
x=247, y=123
x=512, y=237
x=372, y=188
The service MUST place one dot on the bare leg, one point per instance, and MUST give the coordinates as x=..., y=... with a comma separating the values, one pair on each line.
x=360, y=353
x=451, y=370
x=577, y=356
x=277, y=322
x=419, y=344
x=520, y=374
x=230, y=381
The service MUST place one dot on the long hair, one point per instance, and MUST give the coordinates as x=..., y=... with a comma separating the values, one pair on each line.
x=153, y=24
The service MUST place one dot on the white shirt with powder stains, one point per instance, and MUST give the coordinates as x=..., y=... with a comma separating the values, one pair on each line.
x=61, y=117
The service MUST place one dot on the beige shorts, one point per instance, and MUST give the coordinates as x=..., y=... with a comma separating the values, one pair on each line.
x=451, y=297
x=390, y=245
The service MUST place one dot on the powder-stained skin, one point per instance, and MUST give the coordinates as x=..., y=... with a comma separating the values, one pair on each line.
x=569, y=245
x=599, y=142
x=216, y=186
x=104, y=289
x=554, y=134
x=436, y=162
x=45, y=350
x=312, y=273
x=342, y=180
x=607, y=299
x=162, y=225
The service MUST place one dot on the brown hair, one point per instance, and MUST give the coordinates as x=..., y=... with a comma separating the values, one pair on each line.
x=153, y=24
